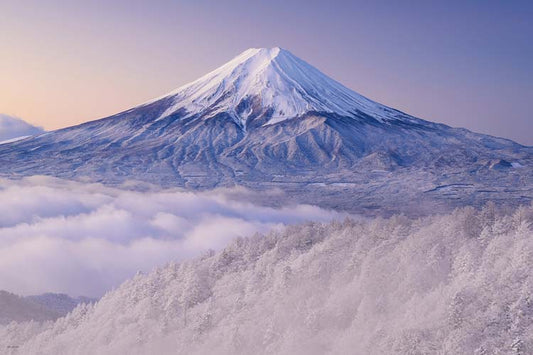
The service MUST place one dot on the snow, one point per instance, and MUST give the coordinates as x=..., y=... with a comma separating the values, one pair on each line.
x=244, y=130
x=14, y=139
x=457, y=283
x=282, y=82
x=452, y=284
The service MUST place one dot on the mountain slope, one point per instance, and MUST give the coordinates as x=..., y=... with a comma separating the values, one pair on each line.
x=269, y=120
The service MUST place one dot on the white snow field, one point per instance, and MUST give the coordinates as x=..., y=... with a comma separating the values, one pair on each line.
x=450, y=284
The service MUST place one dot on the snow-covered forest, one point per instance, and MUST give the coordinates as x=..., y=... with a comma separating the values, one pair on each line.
x=450, y=284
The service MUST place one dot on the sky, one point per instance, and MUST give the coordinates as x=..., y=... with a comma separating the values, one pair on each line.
x=463, y=63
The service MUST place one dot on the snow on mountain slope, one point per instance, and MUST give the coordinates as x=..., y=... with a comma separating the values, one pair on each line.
x=277, y=82
x=268, y=120
x=453, y=284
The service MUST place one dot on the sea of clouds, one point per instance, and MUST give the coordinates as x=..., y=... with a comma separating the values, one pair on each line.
x=85, y=239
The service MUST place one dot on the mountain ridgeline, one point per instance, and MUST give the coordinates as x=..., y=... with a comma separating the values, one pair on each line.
x=266, y=120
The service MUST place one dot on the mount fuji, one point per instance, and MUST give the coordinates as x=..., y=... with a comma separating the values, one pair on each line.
x=269, y=120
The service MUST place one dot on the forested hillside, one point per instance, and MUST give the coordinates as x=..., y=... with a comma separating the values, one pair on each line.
x=454, y=284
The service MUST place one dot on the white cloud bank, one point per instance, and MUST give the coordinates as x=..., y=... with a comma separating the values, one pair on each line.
x=85, y=239
x=13, y=128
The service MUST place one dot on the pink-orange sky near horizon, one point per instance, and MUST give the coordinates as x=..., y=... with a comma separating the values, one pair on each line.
x=465, y=64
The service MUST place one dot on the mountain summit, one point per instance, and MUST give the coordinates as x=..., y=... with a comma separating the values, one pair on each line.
x=271, y=83
x=268, y=120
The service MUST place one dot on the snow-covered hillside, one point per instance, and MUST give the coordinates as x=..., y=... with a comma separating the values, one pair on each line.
x=452, y=284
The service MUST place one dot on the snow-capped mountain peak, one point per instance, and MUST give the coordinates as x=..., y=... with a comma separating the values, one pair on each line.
x=269, y=81
x=267, y=119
